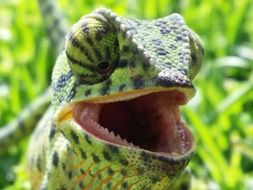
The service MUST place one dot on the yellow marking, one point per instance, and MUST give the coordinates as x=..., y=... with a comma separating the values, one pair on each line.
x=64, y=114
x=81, y=177
x=104, y=181
x=162, y=183
x=94, y=177
x=120, y=96
x=78, y=165
x=133, y=184
x=119, y=183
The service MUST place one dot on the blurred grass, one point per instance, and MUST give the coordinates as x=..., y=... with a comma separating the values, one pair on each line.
x=220, y=115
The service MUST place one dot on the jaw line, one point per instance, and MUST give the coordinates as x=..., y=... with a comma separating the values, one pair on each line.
x=162, y=157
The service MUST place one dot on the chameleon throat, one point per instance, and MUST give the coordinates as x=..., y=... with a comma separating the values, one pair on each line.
x=151, y=122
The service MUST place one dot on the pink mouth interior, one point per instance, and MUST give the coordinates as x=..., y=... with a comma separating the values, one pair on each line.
x=151, y=122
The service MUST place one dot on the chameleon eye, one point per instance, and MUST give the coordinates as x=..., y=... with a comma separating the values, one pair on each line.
x=92, y=49
x=197, y=53
x=103, y=67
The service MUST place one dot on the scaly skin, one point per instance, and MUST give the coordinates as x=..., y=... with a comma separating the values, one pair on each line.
x=108, y=58
x=144, y=57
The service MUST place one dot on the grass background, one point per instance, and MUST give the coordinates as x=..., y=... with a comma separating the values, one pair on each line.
x=220, y=115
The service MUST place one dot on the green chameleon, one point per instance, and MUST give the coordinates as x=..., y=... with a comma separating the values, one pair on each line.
x=114, y=121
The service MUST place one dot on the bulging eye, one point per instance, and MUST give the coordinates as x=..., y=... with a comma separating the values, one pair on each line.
x=103, y=67
x=197, y=54
x=92, y=49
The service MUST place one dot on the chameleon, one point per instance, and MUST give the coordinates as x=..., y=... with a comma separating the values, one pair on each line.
x=114, y=116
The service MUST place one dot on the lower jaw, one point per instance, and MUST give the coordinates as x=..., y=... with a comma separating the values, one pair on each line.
x=150, y=122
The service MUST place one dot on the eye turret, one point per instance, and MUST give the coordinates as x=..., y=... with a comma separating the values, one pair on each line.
x=197, y=54
x=92, y=49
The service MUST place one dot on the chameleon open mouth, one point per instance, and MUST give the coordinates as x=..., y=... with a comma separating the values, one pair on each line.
x=151, y=122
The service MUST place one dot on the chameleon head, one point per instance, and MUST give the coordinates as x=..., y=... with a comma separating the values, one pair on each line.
x=117, y=88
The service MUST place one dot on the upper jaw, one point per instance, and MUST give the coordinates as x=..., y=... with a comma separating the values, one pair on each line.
x=170, y=136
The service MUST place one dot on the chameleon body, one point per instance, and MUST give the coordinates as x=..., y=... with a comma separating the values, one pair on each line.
x=130, y=71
